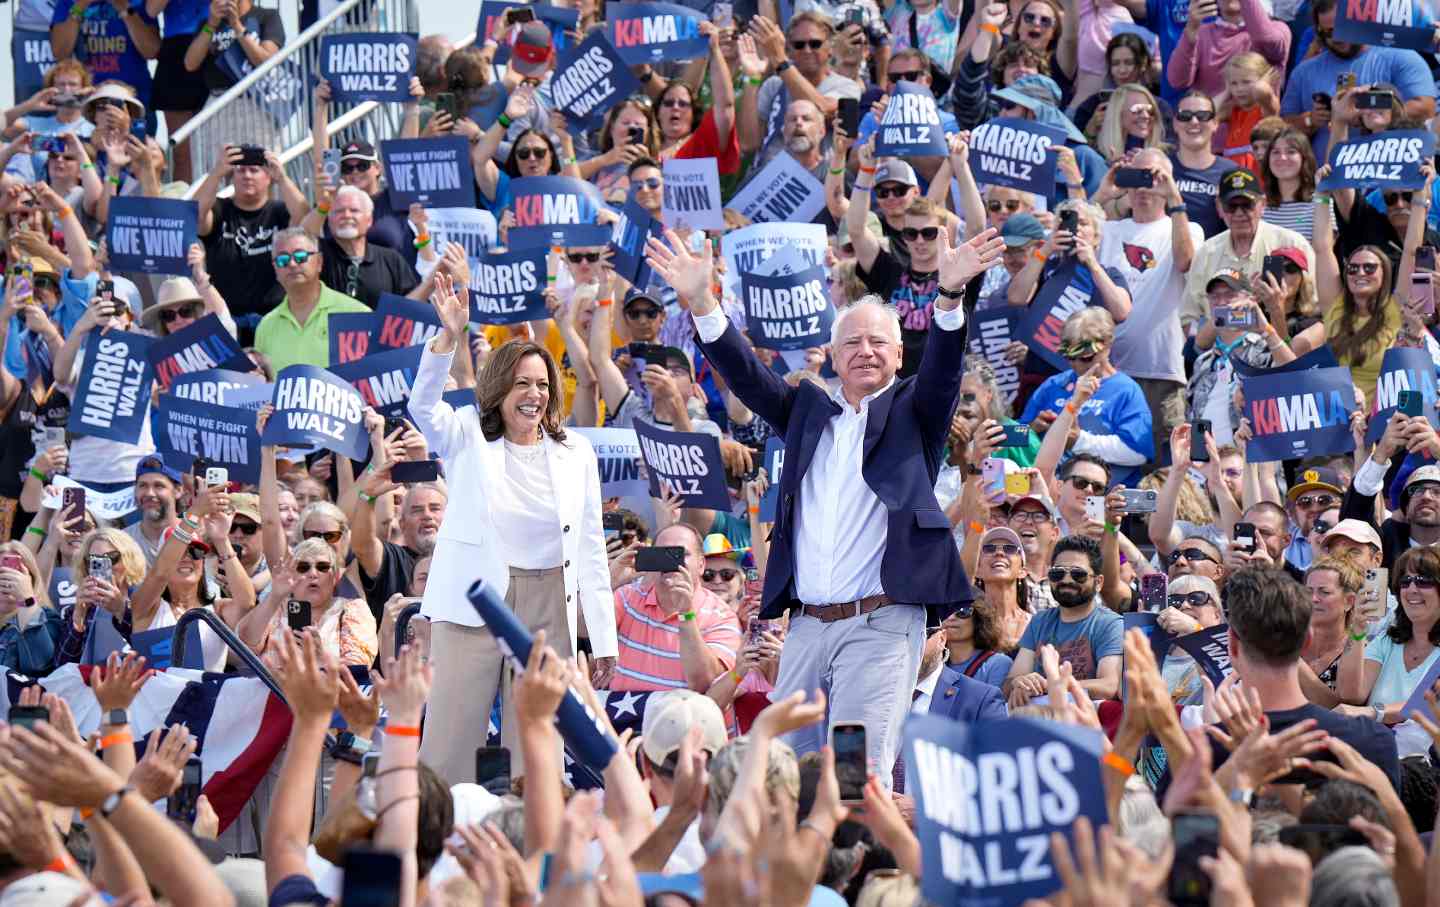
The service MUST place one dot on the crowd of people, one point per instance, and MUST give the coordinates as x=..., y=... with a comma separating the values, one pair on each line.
x=952, y=530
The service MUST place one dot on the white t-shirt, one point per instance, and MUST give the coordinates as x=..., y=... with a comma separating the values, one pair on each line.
x=1148, y=344
x=213, y=646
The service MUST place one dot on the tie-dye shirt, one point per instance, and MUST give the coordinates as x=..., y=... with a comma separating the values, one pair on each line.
x=912, y=293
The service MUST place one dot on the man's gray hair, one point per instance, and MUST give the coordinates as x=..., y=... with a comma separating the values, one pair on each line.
x=1353, y=877
x=864, y=302
x=291, y=233
x=367, y=204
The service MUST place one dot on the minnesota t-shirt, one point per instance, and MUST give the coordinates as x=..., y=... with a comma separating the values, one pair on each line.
x=912, y=293
x=1199, y=189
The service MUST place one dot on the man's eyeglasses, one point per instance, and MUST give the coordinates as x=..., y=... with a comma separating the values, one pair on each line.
x=1005, y=548
x=1187, y=116
x=1323, y=501
x=1424, y=582
x=724, y=574
x=1190, y=554
x=1080, y=483
x=348, y=167
x=926, y=233
x=1195, y=599
x=647, y=312
x=333, y=536
x=911, y=76
x=1029, y=516
x=1369, y=267
x=1392, y=198
x=1012, y=205
x=577, y=257
x=812, y=44
x=538, y=152
x=190, y=310
x=1240, y=204
x=304, y=567
x=299, y=257
x=649, y=183
x=1037, y=20
x=892, y=191
x=244, y=527
x=1077, y=574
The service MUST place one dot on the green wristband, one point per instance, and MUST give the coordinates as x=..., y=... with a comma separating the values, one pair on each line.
x=207, y=29
x=39, y=475
x=687, y=615
x=504, y=121
x=1112, y=528
x=1357, y=637
x=38, y=531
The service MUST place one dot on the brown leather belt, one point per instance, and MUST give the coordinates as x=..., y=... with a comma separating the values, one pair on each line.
x=831, y=613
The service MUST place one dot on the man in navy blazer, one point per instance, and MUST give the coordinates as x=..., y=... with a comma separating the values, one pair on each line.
x=860, y=550
x=962, y=698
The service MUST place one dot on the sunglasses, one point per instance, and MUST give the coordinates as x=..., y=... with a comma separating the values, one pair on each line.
x=1368, y=267
x=1077, y=574
x=1188, y=116
x=332, y=536
x=926, y=233
x=1000, y=548
x=1323, y=501
x=1240, y=204
x=1424, y=582
x=196, y=552
x=894, y=190
x=113, y=557
x=244, y=527
x=299, y=257
x=577, y=257
x=647, y=312
x=1392, y=198
x=1012, y=206
x=538, y=152
x=724, y=574
x=1142, y=110
x=1190, y=554
x=1085, y=349
x=911, y=76
x=1080, y=483
x=651, y=183
x=303, y=567
x=812, y=44
x=1037, y=20
x=354, y=166
x=684, y=103
x=1192, y=599
x=188, y=310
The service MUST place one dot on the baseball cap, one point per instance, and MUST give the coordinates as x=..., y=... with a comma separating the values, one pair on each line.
x=1239, y=182
x=1041, y=499
x=895, y=172
x=531, y=52
x=1295, y=256
x=359, y=150
x=151, y=464
x=1021, y=228
x=717, y=545
x=43, y=889
x=1423, y=474
x=669, y=717
x=246, y=505
x=1358, y=531
x=1323, y=478
x=1003, y=534
x=637, y=295
x=1231, y=278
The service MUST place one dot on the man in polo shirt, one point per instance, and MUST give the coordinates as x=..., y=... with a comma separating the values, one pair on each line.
x=353, y=265
x=296, y=332
x=674, y=633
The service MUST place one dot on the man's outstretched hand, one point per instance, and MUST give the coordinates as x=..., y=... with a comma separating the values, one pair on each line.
x=958, y=264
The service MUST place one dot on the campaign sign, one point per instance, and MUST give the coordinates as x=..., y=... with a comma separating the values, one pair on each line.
x=1016, y=153
x=774, y=467
x=651, y=32
x=1385, y=160
x=113, y=393
x=627, y=242
x=1070, y=288
x=32, y=57
x=475, y=231
x=617, y=451
x=1402, y=369
x=434, y=172
x=197, y=347
x=692, y=194
x=689, y=462
x=558, y=18
x=747, y=249
x=509, y=288
x=153, y=645
x=314, y=408
x=1416, y=702
x=1385, y=24
x=224, y=435
x=109, y=506
x=788, y=311
x=63, y=588
x=1209, y=648
x=988, y=795
x=151, y=235
x=350, y=335
x=1147, y=622
x=991, y=332
x=589, y=79
x=1299, y=415
x=910, y=126
x=368, y=66
x=1320, y=357
x=384, y=378
x=399, y=322
x=783, y=191
x=557, y=211
x=213, y=385
x=460, y=397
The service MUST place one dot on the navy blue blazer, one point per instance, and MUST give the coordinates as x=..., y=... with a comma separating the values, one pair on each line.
x=962, y=698
x=904, y=438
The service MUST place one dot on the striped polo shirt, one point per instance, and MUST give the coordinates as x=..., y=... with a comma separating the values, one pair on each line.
x=649, y=657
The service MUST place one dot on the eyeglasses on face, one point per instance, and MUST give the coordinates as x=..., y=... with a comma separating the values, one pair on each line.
x=244, y=527
x=1142, y=110
x=577, y=257
x=1029, y=516
x=1367, y=267
x=333, y=536
x=188, y=310
x=304, y=567
x=1037, y=20
x=1080, y=349
x=538, y=152
x=112, y=556
x=1394, y=198
x=909, y=76
x=679, y=103
x=1012, y=205
x=1080, y=483
x=1007, y=548
x=812, y=44
x=652, y=183
x=928, y=234
x=891, y=190
x=1200, y=116
x=1077, y=574
x=1240, y=204
x=1411, y=579
x=196, y=552
x=650, y=313
x=1323, y=501
x=724, y=574
x=1195, y=599
x=299, y=257
x=1190, y=554
x=348, y=167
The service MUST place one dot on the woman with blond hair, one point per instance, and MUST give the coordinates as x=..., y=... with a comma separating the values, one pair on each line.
x=1132, y=121
x=98, y=596
x=308, y=578
x=30, y=627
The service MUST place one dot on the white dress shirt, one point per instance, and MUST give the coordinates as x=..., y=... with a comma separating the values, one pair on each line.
x=841, y=526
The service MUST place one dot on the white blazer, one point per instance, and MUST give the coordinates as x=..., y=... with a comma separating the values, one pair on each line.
x=472, y=466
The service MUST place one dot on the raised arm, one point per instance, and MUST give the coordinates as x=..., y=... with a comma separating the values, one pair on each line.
x=867, y=247
x=972, y=206
x=750, y=127
x=445, y=432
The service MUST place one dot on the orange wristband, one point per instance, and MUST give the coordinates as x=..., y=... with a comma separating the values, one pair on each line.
x=604, y=302
x=754, y=509
x=60, y=864
x=402, y=730
x=64, y=211
x=1119, y=763
x=1070, y=408
x=991, y=27
x=1039, y=256
x=867, y=169
x=86, y=812
x=976, y=527
x=115, y=739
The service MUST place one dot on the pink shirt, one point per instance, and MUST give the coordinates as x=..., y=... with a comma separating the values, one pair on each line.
x=1199, y=62
x=1097, y=21
x=649, y=638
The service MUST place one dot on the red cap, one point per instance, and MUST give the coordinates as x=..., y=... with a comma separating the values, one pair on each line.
x=1295, y=255
x=532, y=48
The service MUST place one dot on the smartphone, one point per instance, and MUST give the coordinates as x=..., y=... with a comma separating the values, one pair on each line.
x=1425, y=258
x=1198, y=430
x=759, y=627
x=650, y=353
x=659, y=559
x=298, y=614
x=1319, y=841
x=1374, y=100
x=1227, y=317
x=330, y=164
x=492, y=769
x=407, y=471
x=22, y=280
x=1246, y=538
x=1422, y=292
x=26, y=715
x=1139, y=500
x=1410, y=403
x=637, y=135
x=1320, y=99
x=105, y=289
x=1017, y=484
x=1195, y=835
x=1095, y=508
x=101, y=568
x=369, y=765
x=1154, y=592
x=992, y=476
x=1134, y=178
x=723, y=15
x=613, y=524
x=848, y=115
x=1374, y=594
x=1069, y=219
x=251, y=156
x=1275, y=267
x=847, y=740
x=216, y=475
x=446, y=102
x=371, y=878
x=754, y=583
x=12, y=562
x=72, y=505
x=521, y=15
x=1344, y=81
x=181, y=805
x=1016, y=436
x=856, y=16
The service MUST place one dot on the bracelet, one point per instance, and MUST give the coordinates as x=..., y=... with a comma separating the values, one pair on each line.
x=113, y=180
x=1112, y=528
x=1070, y=408
x=63, y=212
x=754, y=510
x=1039, y=256
x=807, y=825
x=755, y=80
x=392, y=804
x=115, y=739
x=367, y=498
x=687, y=615
x=870, y=169
x=860, y=188
x=422, y=242
x=1357, y=637
x=1119, y=763
x=976, y=526
x=784, y=65
x=77, y=13
x=87, y=166
x=836, y=171
x=323, y=209
x=504, y=121
x=735, y=676
x=39, y=475
x=207, y=29
x=602, y=303
x=38, y=531
x=402, y=730
x=60, y=864
x=991, y=27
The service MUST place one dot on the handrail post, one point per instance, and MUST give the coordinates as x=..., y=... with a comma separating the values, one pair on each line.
x=227, y=636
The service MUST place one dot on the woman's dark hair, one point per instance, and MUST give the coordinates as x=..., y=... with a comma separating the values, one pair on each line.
x=512, y=167
x=985, y=627
x=1136, y=45
x=437, y=818
x=1419, y=562
x=1353, y=342
x=652, y=128
x=696, y=111
x=1307, y=169
x=499, y=376
x=466, y=72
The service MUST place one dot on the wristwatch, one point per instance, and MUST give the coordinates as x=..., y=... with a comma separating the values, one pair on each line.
x=1172, y=210
x=1242, y=795
x=784, y=65
x=952, y=294
x=112, y=802
x=1379, y=708
x=117, y=717
x=349, y=748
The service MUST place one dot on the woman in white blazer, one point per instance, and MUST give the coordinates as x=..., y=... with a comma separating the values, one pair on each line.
x=523, y=514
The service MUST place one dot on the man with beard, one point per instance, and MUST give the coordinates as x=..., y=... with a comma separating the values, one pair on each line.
x=1417, y=521
x=157, y=487
x=352, y=264
x=385, y=567
x=1405, y=69
x=807, y=78
x=1087, y=635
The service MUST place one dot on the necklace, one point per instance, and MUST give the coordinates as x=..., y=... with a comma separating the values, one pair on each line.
x=1414, y=661
x=525, y=453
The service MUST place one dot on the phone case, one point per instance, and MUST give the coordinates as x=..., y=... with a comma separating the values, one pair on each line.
x=1095, y=508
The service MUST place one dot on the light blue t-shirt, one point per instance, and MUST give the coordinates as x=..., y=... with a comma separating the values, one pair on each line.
x=1081, y=643
x=1405, y=69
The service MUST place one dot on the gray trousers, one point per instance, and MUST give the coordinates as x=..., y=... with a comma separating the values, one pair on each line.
x=867, y=666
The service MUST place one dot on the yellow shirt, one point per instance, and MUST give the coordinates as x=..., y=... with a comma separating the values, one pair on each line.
x=499, y=334
x=285, y=341
x=1367, y=370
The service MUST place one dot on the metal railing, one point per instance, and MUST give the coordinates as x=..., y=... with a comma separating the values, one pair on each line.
x=273, y=104
x=227, y=636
